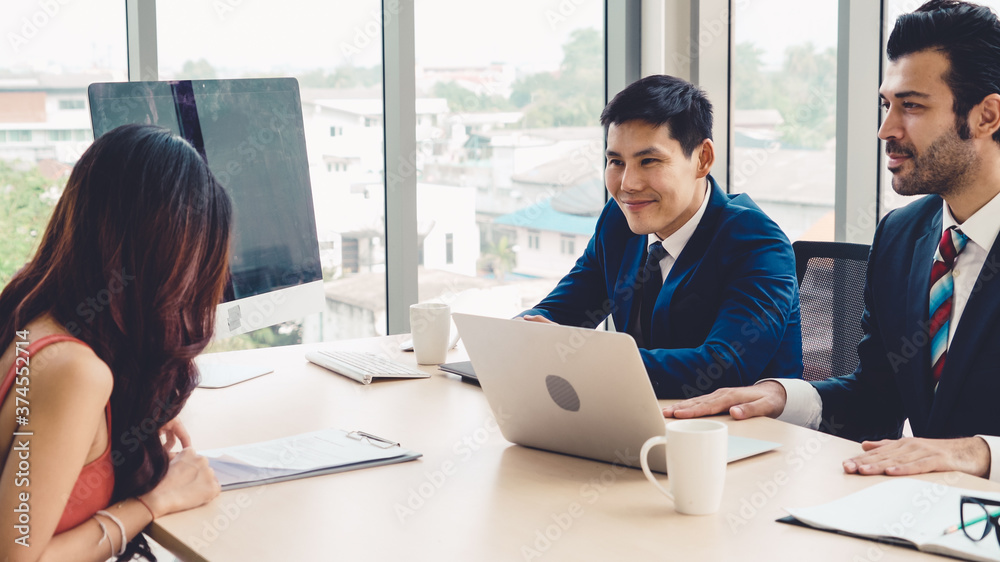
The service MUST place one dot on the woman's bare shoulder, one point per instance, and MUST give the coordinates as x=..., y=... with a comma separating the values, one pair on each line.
x=66, y=364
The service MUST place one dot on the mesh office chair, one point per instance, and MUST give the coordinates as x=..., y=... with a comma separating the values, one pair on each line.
x=831, y=296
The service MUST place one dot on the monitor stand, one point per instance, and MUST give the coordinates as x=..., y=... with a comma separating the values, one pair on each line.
x=220, y=375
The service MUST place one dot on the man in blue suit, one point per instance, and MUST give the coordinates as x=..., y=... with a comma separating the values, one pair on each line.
x=931, y=350
x=704, y=281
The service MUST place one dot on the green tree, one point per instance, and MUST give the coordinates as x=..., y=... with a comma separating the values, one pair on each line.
x=803, y=91
x=26, y=203
x=808, y=97
x=463, y=99
x=752, y=89
x=583, y=56
x=525, y=89
x=344, y=76
x=499, y=258
x=198, y=70
x=574, y=96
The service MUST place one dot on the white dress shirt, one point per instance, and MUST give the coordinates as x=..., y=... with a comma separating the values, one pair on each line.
x=805, y=407
x=674, y=244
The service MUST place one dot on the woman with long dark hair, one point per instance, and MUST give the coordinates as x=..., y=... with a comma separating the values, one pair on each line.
x=98, y=333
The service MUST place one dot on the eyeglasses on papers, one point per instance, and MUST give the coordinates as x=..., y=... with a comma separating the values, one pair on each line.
x=978, y=519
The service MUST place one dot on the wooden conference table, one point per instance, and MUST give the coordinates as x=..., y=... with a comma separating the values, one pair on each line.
x=475, y=496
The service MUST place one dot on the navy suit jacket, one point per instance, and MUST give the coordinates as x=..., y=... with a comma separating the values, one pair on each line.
x=893, y=380
x=727, y=314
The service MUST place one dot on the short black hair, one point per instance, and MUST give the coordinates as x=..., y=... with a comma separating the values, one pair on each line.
x=664, y=100
x=969, y=36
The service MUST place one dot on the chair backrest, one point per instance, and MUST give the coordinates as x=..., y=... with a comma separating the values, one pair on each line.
x=831, y=295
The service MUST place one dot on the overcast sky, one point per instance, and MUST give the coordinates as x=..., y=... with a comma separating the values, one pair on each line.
x=292, y=34
x=268, y=35
x=799, y=21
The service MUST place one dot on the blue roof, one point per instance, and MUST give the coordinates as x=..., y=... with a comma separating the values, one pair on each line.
x=541, y=216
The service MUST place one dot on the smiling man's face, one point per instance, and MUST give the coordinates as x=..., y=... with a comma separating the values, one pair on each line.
x=925, y=152
x=655, y=184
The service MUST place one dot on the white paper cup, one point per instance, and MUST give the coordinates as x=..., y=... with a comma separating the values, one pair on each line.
x=696, y=464
x=430, y=323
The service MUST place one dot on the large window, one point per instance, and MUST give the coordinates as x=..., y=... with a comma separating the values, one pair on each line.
x=334, y=49
x=507, y=130
x=50, y=53
x=784, y=84
x=510, y=149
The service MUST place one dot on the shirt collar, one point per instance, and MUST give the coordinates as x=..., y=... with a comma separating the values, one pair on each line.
x=675, y=243
x=982, y=227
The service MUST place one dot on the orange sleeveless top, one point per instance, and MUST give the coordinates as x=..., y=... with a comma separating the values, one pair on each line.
x=96, y=482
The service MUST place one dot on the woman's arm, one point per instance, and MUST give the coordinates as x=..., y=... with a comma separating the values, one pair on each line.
x=85, y=543
x=67, y=389
x=67, y=396
x=189, y=483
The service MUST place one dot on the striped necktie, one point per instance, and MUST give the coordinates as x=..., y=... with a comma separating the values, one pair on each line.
x=651, y=284
x=942, y=290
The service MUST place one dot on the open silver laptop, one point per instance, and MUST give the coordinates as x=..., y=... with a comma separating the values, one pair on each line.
x=571, y=390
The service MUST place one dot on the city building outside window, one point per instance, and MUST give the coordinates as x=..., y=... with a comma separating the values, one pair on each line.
x=509, y=147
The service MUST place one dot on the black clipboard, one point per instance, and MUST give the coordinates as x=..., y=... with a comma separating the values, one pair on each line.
x=463, y=369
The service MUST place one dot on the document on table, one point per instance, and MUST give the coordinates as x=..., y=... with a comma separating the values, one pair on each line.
x=300, y=456
x=903, y=511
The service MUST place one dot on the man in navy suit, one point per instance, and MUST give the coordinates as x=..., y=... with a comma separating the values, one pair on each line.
x=704, y=281
x=931, y=350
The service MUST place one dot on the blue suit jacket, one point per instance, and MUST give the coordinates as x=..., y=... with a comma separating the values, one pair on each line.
x=728, y=312
x=893, y=380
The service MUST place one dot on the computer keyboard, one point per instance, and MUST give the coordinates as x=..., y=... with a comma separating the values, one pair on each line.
x=363, y=367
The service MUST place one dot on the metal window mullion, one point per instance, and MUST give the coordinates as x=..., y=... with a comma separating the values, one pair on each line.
x=140, y=29
x=859, y=56
x=623, y=36
x=711, y=37
x=399, y=88
x=653, y=50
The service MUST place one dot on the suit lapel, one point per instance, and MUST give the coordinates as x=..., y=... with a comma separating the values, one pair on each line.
x=918, y=289
x=627, y=285
x=690, y=257
x=979, y=311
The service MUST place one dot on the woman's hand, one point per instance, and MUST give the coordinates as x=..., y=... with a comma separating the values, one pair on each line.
x=189, y=482
x=174, y=432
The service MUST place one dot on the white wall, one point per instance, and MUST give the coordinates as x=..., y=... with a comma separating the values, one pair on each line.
x=548, y=260
x=451, y=210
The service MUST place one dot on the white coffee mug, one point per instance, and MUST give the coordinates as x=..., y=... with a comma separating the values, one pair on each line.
x=696, y=464
x=430, y=323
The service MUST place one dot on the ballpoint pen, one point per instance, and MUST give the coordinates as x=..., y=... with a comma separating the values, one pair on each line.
x=380, y=442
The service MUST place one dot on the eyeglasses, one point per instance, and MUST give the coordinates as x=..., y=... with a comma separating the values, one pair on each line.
x=974, y=512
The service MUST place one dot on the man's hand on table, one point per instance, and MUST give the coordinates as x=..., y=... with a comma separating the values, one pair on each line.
x=892, y=457
x=764, y=399
x=910, y=455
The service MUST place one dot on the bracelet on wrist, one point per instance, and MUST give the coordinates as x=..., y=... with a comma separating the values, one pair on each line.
x=146, y=505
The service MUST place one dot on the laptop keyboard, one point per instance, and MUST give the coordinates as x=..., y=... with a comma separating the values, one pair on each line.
x=363, y=367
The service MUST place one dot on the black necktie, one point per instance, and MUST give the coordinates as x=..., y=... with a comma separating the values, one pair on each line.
x=652, y=280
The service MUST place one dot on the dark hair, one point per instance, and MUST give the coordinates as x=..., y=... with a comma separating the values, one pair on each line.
x=664, y=100
x=133, y=262
x=969, y=36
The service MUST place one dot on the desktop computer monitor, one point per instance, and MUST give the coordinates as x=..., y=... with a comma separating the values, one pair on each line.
x=251, y=134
